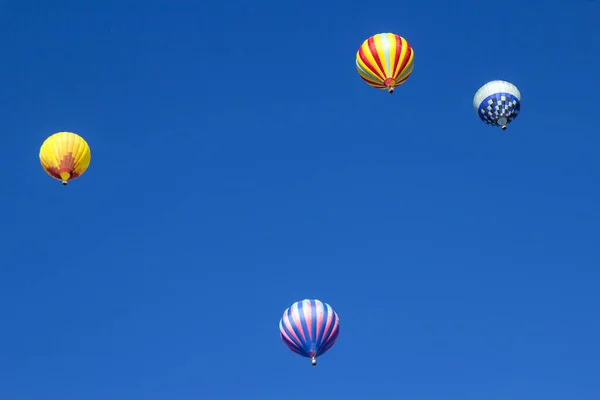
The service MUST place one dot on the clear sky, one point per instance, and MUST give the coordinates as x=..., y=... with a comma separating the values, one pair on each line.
x=239, y=164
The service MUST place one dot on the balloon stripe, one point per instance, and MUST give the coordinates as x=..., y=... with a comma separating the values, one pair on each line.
x=288, y=341
x=323, y=335
x=375, y=53
x=291, y=344
x=307, y=319
x=329, y=344
x=366, y=75
x=368, y=63
x=303, y=326
x=320, y=314
x=294, y=348
x=291, y=329
x=293, y=326
x=373, y=83
x=397, y=54
x=328, y=322
x=313, y=320
x=330, y=336
x=383, y=51
x=297, y=324
x=405, y=57
x=370, y=57
x=405, y=74
x=330, y=326
x=334, y=330
x=401, y=56
x=288, y=329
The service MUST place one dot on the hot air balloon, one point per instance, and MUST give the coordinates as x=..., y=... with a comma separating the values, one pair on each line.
x=309, y=328
x=497, y=103
x=385, y=61
x=65, y=156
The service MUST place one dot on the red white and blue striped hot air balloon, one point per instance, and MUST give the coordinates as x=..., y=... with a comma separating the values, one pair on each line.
x=309, y=328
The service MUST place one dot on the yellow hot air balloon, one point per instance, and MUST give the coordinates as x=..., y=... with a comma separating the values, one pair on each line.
x=385, y=61
x=65, y=156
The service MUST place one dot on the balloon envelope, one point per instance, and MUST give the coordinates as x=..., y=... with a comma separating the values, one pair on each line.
x=309, y=328
x=497, y=103
x=385, y=61
x=65, y=156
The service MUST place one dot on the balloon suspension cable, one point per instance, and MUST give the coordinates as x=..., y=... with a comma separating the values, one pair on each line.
x=314, y=361
x=504, y=127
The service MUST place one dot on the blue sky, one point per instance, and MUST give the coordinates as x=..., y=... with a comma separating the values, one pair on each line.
x=239, y=164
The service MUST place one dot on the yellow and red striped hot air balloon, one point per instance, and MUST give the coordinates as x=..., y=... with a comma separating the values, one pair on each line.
x=385, y=61
x=65, y=156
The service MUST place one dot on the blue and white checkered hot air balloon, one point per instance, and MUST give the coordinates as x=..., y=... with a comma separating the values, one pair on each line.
x=497, y=103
